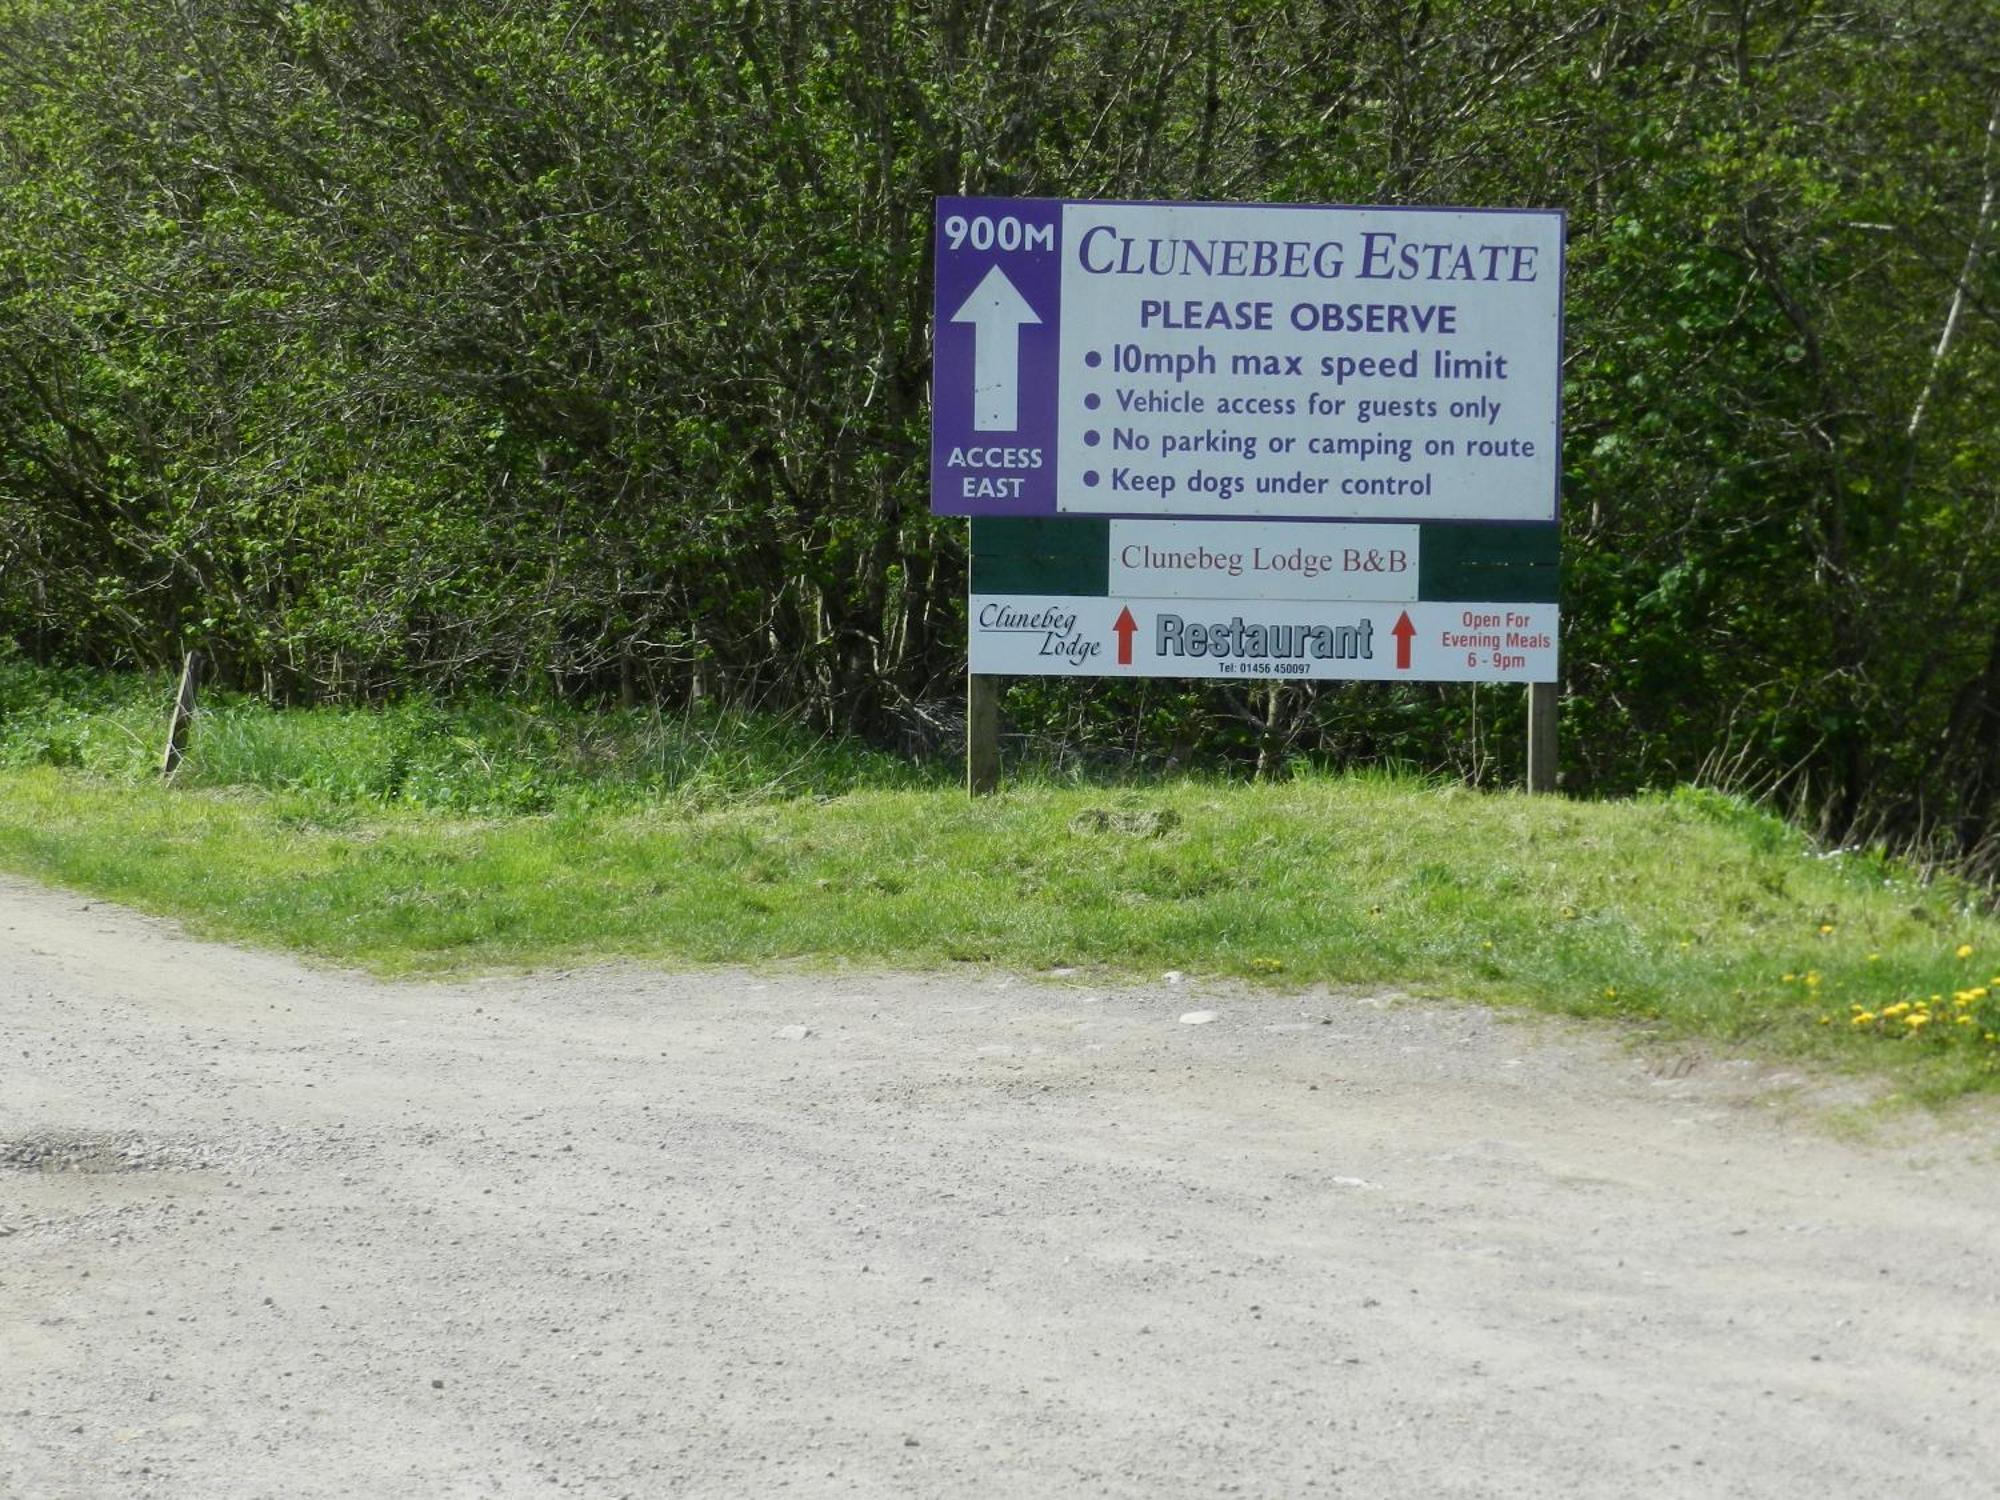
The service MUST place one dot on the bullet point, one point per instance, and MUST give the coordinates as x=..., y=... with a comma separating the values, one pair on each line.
x=1093, y=359
x=1089, y=477
x=1092, y=401
x=1090, y=438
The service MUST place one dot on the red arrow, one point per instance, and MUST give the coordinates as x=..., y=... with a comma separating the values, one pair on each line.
x=1124, y=626
x=1403, y=630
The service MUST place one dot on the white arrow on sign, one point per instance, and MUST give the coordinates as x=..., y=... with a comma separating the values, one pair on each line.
x=996, y=311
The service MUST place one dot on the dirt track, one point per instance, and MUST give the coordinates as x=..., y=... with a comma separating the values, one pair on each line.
x=271, y=1231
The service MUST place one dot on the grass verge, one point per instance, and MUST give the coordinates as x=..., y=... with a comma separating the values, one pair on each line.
x=1689, y=912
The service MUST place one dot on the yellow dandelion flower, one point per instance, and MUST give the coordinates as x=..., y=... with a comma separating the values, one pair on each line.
x=1610, y=993
x=1826, y=1020
x=1917, y=1021
x=1786, y=978
x=1965, y=950
x=1866, y=1018
x=1825, y=929
x=1812, y=981
x=1967, y=1021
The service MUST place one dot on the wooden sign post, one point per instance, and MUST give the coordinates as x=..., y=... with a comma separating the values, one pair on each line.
x=1542, y=737
x=982, y=733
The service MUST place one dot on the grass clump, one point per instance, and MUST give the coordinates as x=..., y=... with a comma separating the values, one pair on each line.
x=428, y=839
x=482, y=756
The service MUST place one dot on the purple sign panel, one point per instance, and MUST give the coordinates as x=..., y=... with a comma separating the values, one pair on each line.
x=994, y=386
x=1207, y=361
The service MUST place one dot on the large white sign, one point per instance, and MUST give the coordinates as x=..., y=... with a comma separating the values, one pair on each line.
x=1233, y=361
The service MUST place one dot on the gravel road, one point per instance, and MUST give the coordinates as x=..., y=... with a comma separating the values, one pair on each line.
x=267, y=1230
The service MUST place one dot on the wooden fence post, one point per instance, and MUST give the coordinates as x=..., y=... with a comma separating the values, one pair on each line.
x=183, y=715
